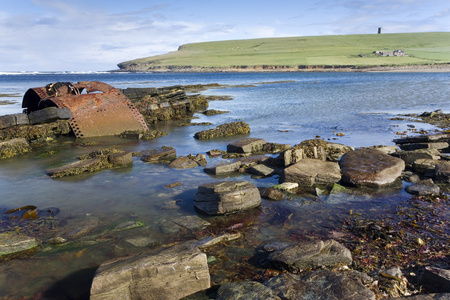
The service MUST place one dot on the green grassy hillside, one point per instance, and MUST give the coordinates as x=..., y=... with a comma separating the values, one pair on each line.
x=336, y=50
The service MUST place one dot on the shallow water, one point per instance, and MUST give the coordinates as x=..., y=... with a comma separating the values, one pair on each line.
x=358, y=105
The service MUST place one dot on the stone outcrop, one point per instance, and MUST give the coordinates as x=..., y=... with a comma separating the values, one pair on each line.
x=309, y=255
x=369, y=167
x=309, y=172
x=166, y=103
x=227, y=129
x=171, y=273
x=219, y=198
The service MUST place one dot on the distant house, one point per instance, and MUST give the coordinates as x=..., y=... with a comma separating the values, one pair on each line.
x=390, y=53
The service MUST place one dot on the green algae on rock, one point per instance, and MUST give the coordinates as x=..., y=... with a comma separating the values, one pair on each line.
x=227, y=129
x=14, y=147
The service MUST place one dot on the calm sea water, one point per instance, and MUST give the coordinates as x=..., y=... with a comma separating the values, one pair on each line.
x=305, y=105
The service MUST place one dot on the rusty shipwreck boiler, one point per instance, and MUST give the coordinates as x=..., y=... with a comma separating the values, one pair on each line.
x=98, y=109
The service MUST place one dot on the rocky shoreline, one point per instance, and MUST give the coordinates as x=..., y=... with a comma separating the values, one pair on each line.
x=269, y=68
x=403, y=257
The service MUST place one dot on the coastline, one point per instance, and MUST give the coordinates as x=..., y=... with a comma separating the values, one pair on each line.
x=441, y=68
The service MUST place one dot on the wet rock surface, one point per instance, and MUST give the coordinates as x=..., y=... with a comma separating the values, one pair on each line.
x=322, y=284
x=11, y=243
x=369, y=167
x=307, y=255
x=226, y=197
x=171, y=273
x=309, y=172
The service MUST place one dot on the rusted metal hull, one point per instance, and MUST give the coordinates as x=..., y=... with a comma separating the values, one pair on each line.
x=103, y=110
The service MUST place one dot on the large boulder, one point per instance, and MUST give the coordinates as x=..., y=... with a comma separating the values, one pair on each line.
x=305, y=255
x=171, y=273
x=370, y=167
x=322, y=284
x=309, y=172
x=219, y=198
x=246, y=145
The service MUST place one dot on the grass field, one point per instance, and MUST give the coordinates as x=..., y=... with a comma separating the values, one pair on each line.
x=335, y=50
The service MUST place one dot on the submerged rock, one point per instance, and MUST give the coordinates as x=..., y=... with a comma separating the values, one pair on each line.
x=423, y=188
x=171, y=273
x=219, y=198
x=11, y=243
x=79, y=167
x=245, y=290
x=369, y=167
x=322, y=284
x=306, y=255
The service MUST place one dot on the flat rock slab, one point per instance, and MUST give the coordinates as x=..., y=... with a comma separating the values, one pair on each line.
x=304, y=255
x=219, y=198
x=49, y=114
x=13, y=243
x=261, y=170
x=246, y=145
x=223, y=168
x=423, y=188
x=322, y=284
x=182, y=162
x=75, y=168
x=163, y=155
x=411, y=156
x=171, y=273
x=370, y=168
x=309, y=172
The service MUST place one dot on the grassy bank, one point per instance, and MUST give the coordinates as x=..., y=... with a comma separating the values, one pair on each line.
x=336, y=50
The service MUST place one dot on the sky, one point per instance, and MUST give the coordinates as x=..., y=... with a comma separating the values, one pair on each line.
x=96, y=35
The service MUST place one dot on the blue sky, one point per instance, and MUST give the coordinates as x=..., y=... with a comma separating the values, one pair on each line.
x=95, y=35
